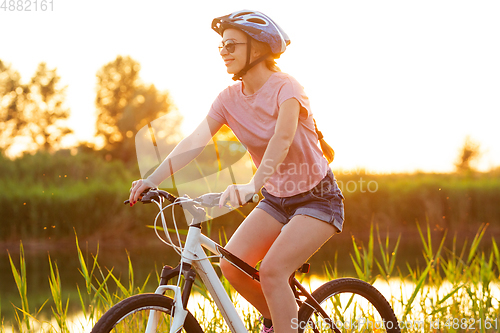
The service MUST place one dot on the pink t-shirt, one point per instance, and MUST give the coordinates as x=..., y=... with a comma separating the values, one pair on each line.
x=253, y=119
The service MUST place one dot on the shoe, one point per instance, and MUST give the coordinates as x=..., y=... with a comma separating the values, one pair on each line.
x=264, y=329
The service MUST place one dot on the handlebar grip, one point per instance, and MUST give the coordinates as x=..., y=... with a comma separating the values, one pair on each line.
x=153, y=190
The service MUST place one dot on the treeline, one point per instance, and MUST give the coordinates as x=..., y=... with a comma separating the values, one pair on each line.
x=34, y=112
x=51, y=195
x=457, y=202
x=48, y=195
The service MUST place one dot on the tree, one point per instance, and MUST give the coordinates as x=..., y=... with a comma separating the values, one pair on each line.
x=125, y=104
x=31, y=115
x=12, y=102
x=47, y=113
x=469, y=154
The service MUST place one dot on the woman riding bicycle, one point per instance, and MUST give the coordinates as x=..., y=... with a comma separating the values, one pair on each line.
x=270, y=114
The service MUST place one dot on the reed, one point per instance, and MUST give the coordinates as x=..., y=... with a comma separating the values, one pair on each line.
x=23, y=322
x=363, y=262
x=388, y=256
x=59, y=310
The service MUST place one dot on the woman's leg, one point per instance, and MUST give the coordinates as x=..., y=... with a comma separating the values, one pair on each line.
x=298, y=241
x=250, y=242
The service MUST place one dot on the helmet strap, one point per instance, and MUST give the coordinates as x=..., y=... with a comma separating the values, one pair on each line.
x=248, y=65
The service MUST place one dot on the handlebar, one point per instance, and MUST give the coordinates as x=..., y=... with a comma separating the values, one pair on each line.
x=194, y=206
x=206, y=200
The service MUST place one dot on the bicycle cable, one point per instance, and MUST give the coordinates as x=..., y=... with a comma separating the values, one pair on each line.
x=178, y=249
x=169, y=241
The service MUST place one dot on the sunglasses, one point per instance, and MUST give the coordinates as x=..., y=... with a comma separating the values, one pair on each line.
x=229, y=45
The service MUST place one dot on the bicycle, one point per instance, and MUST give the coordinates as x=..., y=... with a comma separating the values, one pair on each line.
x=331, y=307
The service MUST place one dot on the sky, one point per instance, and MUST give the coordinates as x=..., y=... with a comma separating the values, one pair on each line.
x=395, y=86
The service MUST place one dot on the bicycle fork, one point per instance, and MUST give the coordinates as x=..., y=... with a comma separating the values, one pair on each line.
x=179, y=308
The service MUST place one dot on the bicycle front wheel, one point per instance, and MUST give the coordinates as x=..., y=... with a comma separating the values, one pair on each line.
x=352, y=306
x=131, y=315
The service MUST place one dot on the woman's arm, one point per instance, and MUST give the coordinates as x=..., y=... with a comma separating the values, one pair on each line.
x=280, y=142
x=183, y=153
x=275, y=153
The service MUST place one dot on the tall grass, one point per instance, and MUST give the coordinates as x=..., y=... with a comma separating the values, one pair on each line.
x=453, y=284
x=24, y=319
x=452, y=287
x=59, y=310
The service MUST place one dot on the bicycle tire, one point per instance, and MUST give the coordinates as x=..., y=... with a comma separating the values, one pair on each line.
x=125, y=313
x=360, y=291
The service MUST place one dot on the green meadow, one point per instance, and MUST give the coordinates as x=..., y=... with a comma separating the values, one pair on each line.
x=48, y=195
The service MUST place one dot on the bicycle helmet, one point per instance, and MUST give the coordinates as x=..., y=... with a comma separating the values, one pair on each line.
x=257, y=26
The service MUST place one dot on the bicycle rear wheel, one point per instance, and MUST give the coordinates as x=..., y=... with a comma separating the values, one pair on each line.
x=353, y=306
x=131, y=315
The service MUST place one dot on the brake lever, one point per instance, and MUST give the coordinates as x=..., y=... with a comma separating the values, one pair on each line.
x=209, y=199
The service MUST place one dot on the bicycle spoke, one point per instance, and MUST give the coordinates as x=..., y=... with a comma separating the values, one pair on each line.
x=133, y=314
x=138, y=320
x=352, y=306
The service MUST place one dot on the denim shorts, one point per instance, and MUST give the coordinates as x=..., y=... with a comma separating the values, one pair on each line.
x=324, y=202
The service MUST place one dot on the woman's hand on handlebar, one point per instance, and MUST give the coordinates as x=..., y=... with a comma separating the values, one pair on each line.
x=139, y=186
x=236, y=194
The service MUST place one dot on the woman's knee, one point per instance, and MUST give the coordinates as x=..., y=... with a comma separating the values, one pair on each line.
x=271, y=274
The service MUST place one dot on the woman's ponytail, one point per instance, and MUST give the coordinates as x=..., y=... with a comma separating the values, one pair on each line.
x=328, y=151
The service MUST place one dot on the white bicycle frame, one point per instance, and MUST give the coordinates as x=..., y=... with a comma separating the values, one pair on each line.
x=194, y=255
